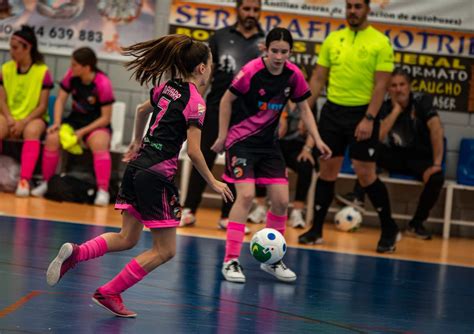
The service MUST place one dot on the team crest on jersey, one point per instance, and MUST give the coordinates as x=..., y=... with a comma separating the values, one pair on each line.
x=363, y=53
x=201, y=109
x=287, y=91
x=238, y=172
x=262, y=92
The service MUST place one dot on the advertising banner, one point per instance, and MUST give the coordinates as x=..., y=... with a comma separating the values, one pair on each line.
x=62, y=26
x=439, y=56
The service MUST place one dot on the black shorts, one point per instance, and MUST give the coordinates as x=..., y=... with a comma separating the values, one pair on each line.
x=149, y=198
x=404, y=160
x=337, y=126
x=255, y=165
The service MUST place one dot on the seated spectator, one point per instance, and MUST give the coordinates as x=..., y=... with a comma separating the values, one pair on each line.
x=92, y=99
x=25, y=83
x=297, y=149
x=412, y=143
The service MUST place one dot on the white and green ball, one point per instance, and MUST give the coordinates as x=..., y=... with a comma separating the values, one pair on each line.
x=268, y=246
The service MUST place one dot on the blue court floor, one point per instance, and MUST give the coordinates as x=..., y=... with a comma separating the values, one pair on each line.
x=334, y=293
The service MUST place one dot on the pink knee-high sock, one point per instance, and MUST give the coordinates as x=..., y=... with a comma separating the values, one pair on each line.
x=234, y=239
x=29, y=157
x=129, y=276
x=102, y=169
x=49, y=164
x=91, y=249
x=276, y=222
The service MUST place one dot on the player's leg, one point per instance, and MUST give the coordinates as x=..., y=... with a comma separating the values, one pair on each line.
x=276, y=219
x=231, y=268
x=29, y=154
x=163, y=250
x=99, y=142
x=70, y=254
x=49, y=163
x=157, y=207
x=363, y=155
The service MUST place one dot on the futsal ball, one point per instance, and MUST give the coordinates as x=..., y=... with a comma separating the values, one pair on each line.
x=268, y=246
x=348, y=219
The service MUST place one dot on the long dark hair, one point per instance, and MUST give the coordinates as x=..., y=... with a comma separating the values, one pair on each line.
x=27, y=37
x=178, y=54
x=85, y=56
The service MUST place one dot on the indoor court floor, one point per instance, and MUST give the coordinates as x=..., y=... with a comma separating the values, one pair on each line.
x=334, y=293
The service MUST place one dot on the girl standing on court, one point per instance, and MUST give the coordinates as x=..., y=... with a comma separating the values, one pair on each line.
x=148, y=196
x=249, y=114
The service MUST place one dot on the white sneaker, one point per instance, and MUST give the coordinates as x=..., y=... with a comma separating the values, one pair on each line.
x=102, y=198
x=296, y=218
x=280, y=271
x=223, y=222
x=23, y=188
x=187, y=218
x=258, y=215
x=40, y=190
x=233, y=271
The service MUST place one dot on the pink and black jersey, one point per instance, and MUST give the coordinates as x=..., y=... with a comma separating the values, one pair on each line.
x=177, y=105
x=87, y=99
x=261, y=98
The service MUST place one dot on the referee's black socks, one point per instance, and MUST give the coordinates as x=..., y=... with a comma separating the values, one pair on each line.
x=378, y=195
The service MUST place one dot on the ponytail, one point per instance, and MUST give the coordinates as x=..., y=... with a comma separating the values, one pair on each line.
x=176, y=54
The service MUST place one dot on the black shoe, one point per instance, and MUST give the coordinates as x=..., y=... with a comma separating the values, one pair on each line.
x=310, y=238
x=418, y=231
x=351, y=199
x=387, y=242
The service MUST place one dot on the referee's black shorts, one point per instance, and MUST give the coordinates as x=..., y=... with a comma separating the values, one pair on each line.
x=337, y=126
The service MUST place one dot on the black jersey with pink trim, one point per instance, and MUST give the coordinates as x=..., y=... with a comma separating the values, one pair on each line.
x=87, y=99
x=176, y=106
x=261, y=97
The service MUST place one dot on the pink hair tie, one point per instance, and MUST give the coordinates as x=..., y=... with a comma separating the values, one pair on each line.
x=21, y=39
